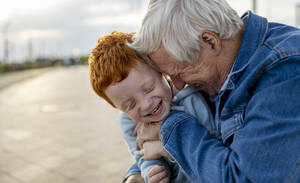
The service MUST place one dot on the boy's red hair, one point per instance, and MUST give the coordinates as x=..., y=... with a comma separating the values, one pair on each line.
x=111, y=61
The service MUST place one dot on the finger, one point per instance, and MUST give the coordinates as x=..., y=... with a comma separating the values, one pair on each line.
x=137, y=128
x=159, y=176
x=139, y=143
x=149, y=131
x=134, y=133
x=165, y=180
x=155, y=170
x=142, y=152
x=135, y=178
x=152, y=150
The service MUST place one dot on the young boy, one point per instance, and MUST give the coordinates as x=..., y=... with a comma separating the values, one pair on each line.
x=121, y=76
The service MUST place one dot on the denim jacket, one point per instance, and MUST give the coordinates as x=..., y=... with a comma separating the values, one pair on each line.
x=257, y=115
x=189, y=100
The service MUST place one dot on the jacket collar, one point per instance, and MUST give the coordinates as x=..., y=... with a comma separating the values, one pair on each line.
x=253, y=38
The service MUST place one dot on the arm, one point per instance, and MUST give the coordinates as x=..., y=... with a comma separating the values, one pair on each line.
x=135, y=178
x=133, y=175
x=191, y=101
x=127, y=127
x=203, y=158
x=266, y=149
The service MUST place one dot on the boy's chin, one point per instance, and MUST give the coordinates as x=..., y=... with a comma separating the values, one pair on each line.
x=163, y=115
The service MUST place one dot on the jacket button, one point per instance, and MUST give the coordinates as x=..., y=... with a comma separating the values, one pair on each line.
x=161, y=138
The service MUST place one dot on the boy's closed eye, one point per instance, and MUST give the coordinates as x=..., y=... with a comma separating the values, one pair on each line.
x=128, y=105
x=148, y=87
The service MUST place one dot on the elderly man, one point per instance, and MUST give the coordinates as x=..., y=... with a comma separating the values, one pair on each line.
x=251, y=70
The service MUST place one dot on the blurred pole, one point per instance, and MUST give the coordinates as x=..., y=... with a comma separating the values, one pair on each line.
x=254, y=6
x=6, y=43
x=298, y=14
x=269, y=9
x=30, y=49
x=13, y=52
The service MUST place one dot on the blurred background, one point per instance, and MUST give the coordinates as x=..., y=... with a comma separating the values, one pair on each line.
x=53, y=128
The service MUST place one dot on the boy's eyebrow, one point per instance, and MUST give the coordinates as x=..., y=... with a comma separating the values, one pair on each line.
x=145, y=83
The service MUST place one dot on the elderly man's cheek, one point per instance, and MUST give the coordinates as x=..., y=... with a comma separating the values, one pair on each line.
x=177, y=82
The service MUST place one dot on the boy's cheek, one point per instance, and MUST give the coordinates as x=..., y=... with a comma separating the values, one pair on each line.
x=132, y=115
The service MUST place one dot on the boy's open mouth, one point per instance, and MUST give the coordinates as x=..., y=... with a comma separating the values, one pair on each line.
x=157, y=110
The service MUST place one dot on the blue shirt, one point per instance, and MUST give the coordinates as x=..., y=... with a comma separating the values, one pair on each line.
x=257, y=114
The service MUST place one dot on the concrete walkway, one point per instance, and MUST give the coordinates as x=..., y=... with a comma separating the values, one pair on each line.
x=18, y=76
x=54, y=129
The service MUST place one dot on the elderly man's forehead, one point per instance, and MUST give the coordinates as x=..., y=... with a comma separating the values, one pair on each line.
x=151, y=63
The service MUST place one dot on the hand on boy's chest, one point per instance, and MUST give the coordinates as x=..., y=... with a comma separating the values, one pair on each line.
x=147, y=132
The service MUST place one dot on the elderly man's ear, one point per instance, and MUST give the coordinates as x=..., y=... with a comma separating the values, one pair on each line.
x=211, y=40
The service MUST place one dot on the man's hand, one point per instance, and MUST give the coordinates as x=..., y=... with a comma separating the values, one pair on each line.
x=154, y=150
x=135, y=178
x=147, y=132
x=158, y=174
x=137, y=128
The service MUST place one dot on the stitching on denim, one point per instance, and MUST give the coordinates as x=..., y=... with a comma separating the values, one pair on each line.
x=294, y=173
x=235, y=109
x=176, y=123
x=190, y=173
x=182, y=119
x=235, y=128
x=280, y=54
x=232, y=131
x=279, y=61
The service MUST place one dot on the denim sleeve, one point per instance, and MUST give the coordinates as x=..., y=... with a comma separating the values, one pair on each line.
x=196, y=105
x=265, y=149
x=127, y=127
x=134, y=169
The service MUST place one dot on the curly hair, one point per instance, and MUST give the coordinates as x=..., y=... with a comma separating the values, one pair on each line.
x=111, y=61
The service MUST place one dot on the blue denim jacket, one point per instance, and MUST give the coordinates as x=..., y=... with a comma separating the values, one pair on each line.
x=257, y=115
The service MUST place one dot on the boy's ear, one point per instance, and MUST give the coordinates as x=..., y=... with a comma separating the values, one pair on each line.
x=210, y=40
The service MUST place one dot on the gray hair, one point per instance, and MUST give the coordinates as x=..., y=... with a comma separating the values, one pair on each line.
x=177, y=25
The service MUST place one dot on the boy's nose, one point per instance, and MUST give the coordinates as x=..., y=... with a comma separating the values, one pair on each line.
x=146, y=105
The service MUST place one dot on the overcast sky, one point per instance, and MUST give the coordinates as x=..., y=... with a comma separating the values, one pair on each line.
x=72, y=27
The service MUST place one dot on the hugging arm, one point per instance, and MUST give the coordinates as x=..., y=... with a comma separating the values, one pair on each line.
x=133, y=175
x=127, y=128
x=265, y=149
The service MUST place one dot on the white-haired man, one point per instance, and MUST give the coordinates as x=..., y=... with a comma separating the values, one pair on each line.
x=251, y=70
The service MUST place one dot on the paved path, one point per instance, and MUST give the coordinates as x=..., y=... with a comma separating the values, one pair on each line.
x=54, y=129
x=8, y=79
